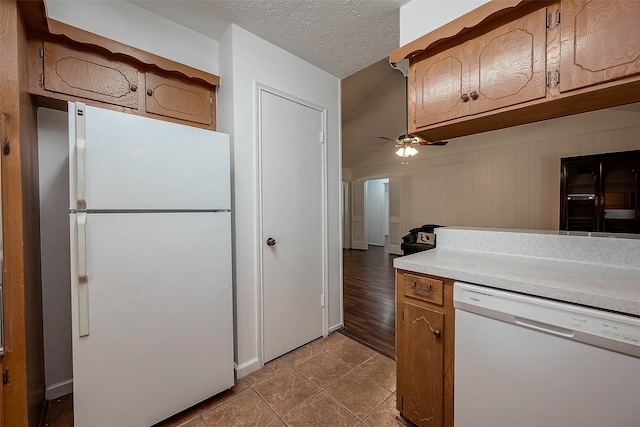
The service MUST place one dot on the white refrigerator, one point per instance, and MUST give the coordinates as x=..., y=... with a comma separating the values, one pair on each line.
x=150, y=267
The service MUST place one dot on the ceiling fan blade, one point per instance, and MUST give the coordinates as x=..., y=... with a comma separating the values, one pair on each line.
x=434, y=143
x=388, y=139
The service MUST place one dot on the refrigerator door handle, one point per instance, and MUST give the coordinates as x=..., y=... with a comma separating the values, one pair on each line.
x=83, y=279
x=81, y=149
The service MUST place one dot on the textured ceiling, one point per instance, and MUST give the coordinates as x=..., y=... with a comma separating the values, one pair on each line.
x=338, y=36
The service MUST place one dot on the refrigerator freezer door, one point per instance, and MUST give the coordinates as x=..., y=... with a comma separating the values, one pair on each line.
x=160, y=307
x=134, y=163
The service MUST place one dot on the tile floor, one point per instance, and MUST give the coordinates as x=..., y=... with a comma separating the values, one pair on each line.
x=329, y=382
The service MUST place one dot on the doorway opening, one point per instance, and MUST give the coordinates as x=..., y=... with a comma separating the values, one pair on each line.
x=372, y=228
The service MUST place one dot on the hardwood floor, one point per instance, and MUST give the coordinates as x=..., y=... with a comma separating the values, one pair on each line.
x=369, y=298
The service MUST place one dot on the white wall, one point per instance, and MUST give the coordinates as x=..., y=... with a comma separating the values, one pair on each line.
x=376, y=211
x=506, y=178
x=131, y=25
x=53, y=159
x=246, y=60
x=420, y=17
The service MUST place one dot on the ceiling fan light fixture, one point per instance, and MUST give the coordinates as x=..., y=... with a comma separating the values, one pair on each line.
x=406, y=151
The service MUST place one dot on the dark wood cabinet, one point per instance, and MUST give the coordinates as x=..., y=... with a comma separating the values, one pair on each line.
x=600, y=193
x=424, y=350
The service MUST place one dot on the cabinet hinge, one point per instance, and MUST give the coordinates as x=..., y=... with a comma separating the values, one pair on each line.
x=5, y=377
x=210, y=120
x=41, y=80
x=556, y=79
x=211, y=100
x=402, y=404
x=403, y=314
x=41, y=52
x=414, y=75
x=321, y=137
x=553, y=20
x=414, y=117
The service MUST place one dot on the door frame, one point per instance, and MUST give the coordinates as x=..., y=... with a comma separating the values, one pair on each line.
x=260, y=89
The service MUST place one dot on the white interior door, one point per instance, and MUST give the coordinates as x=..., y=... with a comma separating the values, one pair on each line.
x=395, y=225
x=358, y=215
x=292, y=197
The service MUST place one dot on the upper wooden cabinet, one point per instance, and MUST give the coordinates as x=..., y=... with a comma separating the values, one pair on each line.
x=174, y=98
x=89, y=76
x=69, y=71
x=511, y=62
x=600, y=42
x=503, y=67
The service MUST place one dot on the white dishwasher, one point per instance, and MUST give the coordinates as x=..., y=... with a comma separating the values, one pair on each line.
x=523, y=361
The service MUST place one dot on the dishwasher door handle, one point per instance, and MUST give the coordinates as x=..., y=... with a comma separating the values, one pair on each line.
x=544, y=327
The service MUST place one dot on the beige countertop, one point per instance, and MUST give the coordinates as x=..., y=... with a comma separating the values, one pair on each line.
x=595, y=271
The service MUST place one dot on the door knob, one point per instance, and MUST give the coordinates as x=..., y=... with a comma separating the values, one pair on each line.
x=271, y=241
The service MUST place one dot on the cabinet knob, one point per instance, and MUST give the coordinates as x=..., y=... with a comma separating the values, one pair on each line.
x=271, y=241
x=134, y=87
x=149, y=92
x=464, y=97
x=436, y=333
x=474, y=95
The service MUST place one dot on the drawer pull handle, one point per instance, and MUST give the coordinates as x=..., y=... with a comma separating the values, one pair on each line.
x=415, y=287
x=436, y=333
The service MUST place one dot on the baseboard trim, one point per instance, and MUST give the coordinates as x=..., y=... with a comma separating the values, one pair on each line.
x=58, y=389
x=336, y=327
x=246, y=368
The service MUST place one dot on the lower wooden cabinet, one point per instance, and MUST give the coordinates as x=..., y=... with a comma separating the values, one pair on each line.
x=424, y=349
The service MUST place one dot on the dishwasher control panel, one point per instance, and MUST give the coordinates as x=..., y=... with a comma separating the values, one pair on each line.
x=613, y=331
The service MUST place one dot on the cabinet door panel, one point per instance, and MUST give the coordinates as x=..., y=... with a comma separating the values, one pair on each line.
x=438, y=85
x=89, y=76
x=580, y=196
x=422, y=365
x=619, y=197
x=599, y=42
x=508, y=64
x=177, y=99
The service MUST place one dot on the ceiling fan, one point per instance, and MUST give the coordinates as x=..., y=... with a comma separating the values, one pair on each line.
x=407, y=143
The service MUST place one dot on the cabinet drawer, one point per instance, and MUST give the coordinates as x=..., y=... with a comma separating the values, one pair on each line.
x=422, y=288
